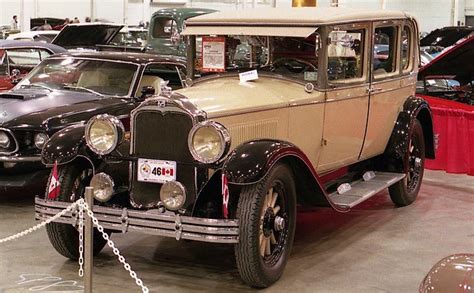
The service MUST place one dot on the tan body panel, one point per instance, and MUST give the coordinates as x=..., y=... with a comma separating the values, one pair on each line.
x=385, y=105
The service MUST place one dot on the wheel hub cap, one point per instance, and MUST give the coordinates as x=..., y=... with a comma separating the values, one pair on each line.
x=268, y=222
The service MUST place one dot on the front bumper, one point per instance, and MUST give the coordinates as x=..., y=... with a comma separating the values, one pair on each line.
x=166, y=224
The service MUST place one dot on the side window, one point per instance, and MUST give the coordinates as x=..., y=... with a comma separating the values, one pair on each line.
x=44, y=54
x=155, y=74
x=164, y=27
x=23, y=57
x=345, y=54
x=406, y=47
x=3, y=62
x=385, y=53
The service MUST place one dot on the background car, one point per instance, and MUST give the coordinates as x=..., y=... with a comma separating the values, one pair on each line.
x=67, y=90
x=17, y=58
x=86, y=36
x=38, y=36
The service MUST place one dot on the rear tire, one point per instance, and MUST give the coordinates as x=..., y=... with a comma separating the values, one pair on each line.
x=267, y=218
x=406, y=190
x=73, y=179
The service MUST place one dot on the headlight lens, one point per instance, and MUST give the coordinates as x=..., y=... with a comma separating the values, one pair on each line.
x=208, y=142
x=104, y=133
x=40, y=140
x=173, y=195
x=103, y=186
x=4, y=140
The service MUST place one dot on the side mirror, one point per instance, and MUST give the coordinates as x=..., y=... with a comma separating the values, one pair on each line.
x=147, y=91
x=15, y=76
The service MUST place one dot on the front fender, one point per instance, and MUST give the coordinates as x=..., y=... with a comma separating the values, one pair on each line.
x=65, y=145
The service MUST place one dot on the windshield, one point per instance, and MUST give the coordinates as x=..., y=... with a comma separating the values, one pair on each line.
x=292, y=57
x=94, y=76
x=130, y=38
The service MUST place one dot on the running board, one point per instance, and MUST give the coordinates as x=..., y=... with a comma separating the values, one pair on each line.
x=362, y=190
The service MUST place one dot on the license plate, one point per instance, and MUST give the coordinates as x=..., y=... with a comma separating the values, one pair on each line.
x=156, y=171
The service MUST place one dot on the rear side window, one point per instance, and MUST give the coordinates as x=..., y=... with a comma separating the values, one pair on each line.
x=164, y=27
x=406, y=47
x=385, y=52
x=345, y=54
x=29, y=57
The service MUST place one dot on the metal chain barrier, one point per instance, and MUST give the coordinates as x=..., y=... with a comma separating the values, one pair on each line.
x=115, y=250
x=82, y=206
x=40, y=225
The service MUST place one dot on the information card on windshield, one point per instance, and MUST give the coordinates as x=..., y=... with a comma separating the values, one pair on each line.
x=213, y=54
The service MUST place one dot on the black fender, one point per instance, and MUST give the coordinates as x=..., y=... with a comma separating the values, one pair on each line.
x=66, y=145
x=397, y=147
x=249, y=162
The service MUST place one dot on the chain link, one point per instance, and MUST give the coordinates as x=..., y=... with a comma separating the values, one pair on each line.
x=40, y=225
x=115, y=250
x=81, y=237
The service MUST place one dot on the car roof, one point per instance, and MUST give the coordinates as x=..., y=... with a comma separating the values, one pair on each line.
x=296, y=16
x=184, y=12
x=141, y=58
x=299, y=22
x=34, y=33
x=12, y=44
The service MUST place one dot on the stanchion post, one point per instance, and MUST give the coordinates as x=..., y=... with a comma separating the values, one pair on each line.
x=88, y=243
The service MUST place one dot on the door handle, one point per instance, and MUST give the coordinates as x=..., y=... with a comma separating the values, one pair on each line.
x=372, y=90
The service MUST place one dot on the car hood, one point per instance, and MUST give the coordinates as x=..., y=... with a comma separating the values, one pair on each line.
x=86, y=35
x=446, y=36
x=28, y=109
x=227, y=96
x=455, y=61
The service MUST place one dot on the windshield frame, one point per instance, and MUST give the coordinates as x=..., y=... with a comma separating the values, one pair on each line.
x=191, y=77
x=132, y=83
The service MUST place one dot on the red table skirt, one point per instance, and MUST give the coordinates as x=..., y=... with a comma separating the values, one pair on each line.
x=454, y=128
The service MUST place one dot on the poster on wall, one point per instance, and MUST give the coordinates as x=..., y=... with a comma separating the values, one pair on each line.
x=213, y=54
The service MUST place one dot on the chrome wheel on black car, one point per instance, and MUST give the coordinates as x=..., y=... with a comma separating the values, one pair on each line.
x=267, y=217
x=73, y=180
x=405, y=191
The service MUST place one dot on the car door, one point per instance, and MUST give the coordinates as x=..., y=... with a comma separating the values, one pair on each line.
x=392, y=81
x=346, y=103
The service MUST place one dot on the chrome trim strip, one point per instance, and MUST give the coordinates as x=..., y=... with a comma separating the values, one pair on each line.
x=20, y=159
x=17, y=146
x=149, y=222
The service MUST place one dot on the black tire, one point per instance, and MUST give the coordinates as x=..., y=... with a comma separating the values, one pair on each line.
x=259, y=268
x=406, y=191
x=73, y=179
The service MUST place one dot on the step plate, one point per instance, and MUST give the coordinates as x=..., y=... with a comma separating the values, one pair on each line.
x=362, y=190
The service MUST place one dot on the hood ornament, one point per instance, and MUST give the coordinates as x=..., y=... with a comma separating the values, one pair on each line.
x=165, y=90
x=3, y=117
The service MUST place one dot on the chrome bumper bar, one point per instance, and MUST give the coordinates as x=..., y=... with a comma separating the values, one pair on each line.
x=19, y=159
x=152, y=222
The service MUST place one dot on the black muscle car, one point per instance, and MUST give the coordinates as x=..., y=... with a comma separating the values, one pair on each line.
x=69, y=89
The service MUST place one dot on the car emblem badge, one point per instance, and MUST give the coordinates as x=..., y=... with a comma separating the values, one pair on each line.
x=161, y=103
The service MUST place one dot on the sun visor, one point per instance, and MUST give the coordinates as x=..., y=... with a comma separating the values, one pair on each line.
x=277, y=31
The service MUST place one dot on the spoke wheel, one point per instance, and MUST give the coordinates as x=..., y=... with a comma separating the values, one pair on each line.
x=406, y=191
x=267, y=217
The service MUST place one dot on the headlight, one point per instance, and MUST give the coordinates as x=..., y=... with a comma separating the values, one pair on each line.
x=40, y=140
x=4, y=140
x=208, y=142
x=103, y=186
x=103, y=133
x=173, y=195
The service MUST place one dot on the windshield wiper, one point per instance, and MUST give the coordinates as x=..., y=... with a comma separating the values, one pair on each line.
x=74, y=87
x=36, y=85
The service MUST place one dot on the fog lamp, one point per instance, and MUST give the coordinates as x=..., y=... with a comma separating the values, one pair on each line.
x=103, y=186
x=173, y=195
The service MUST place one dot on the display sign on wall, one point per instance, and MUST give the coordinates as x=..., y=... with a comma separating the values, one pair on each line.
x=213, y=54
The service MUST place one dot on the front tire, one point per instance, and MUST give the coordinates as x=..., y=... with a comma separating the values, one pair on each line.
x=73, y=180
x=405, y=191
x=267, y=218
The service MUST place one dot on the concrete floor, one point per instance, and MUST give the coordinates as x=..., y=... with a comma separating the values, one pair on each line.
x=374, y=248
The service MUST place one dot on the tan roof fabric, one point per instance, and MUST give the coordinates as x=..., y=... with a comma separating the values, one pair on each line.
x=293, y=16
x=280, y=31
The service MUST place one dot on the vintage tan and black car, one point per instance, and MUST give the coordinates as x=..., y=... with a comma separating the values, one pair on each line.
x=283, y=108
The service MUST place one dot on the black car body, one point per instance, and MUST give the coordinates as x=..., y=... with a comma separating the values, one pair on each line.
x=42, y=104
